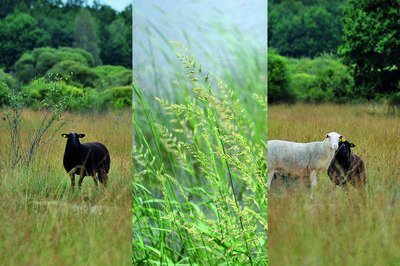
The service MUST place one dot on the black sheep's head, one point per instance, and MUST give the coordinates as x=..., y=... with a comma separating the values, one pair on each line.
x=73, y=139
x=344, y=150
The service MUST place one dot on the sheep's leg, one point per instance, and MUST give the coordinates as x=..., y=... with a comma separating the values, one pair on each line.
x=313, y=182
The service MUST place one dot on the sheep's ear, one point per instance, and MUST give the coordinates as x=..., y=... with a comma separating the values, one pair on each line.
x=65, y=136
x=81, y=135
x=352, y=145
x=342, y=138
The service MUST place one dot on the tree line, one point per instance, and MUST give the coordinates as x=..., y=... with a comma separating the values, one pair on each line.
x=333, y=51
x=98, y=29
x=305, y=28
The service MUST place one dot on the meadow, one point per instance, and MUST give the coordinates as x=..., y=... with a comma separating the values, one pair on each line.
x=338, y=228
x=42, y=222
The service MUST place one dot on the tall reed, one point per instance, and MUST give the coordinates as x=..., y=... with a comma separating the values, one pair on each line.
x=199, y=190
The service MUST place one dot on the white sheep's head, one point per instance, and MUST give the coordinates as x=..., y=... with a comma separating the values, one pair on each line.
x=333, y=139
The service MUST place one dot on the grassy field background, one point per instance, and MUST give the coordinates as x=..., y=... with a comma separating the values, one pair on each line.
x=42, y=223
x=338, y=228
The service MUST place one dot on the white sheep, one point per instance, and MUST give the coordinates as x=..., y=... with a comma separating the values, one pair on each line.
x=301, y=159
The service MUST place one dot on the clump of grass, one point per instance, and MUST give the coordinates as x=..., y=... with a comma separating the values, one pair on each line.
x=200, y=195
x=338, y=227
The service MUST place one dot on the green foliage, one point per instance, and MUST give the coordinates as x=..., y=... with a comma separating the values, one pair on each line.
x=323, y=79
x=114, y=76
x=29, y=24
x=80, y=74
x=83, y=82
x=25, y=67
x=85, y=100
x=278, y=79
x=45, y=58
x=38, y=90
x=304, y=28
x=19, y=32
x=115, y=49
x=7, y=80
x=76, y=54
x=79, y=99
x=39, y=61
x=118, y=97
x=372, y=39
x=85, y=36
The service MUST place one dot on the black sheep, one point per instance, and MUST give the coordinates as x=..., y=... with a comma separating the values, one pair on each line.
x=347, y=167
x=85, y=159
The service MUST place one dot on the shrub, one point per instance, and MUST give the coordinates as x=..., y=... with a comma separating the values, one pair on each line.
x=119, y=96
x=36, y=63
x=323, y=79
x=76, y=54
x=25, y=68
x=7, y=79
x=45, y=59
x=278, y=80
x=85, y=100
x=80, y=74
x=301, y=84
x=114, y=76
x=79, y=99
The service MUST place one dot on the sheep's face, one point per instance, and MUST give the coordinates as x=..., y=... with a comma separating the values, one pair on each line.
x=344, y=151
x=333, y=139
x=73, y=139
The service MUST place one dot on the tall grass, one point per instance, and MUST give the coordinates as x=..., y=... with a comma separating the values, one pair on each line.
x=200, y=194
x=42, y=223
x=338, y=228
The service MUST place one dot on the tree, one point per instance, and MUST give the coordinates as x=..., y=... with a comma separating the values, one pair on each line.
x=118, y=49
x=85, y=34
x=278, y=79
x=19, y=33
x=372, y=46
x=304, y=28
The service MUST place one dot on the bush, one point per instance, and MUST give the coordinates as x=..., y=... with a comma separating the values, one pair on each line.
x=80, y=74
x=118, y=97
x=77, y=55
x=278, y=80
x=45, y=59
x=323, y=79
x=79, y=99
x=7, y=84
x=25, y=68
x=114, y=76
x=36, y=63
x=302, y=84
x=85, y=100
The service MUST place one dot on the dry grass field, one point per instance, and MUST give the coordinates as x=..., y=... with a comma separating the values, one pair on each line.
x=338, y=228
x=42, y=223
